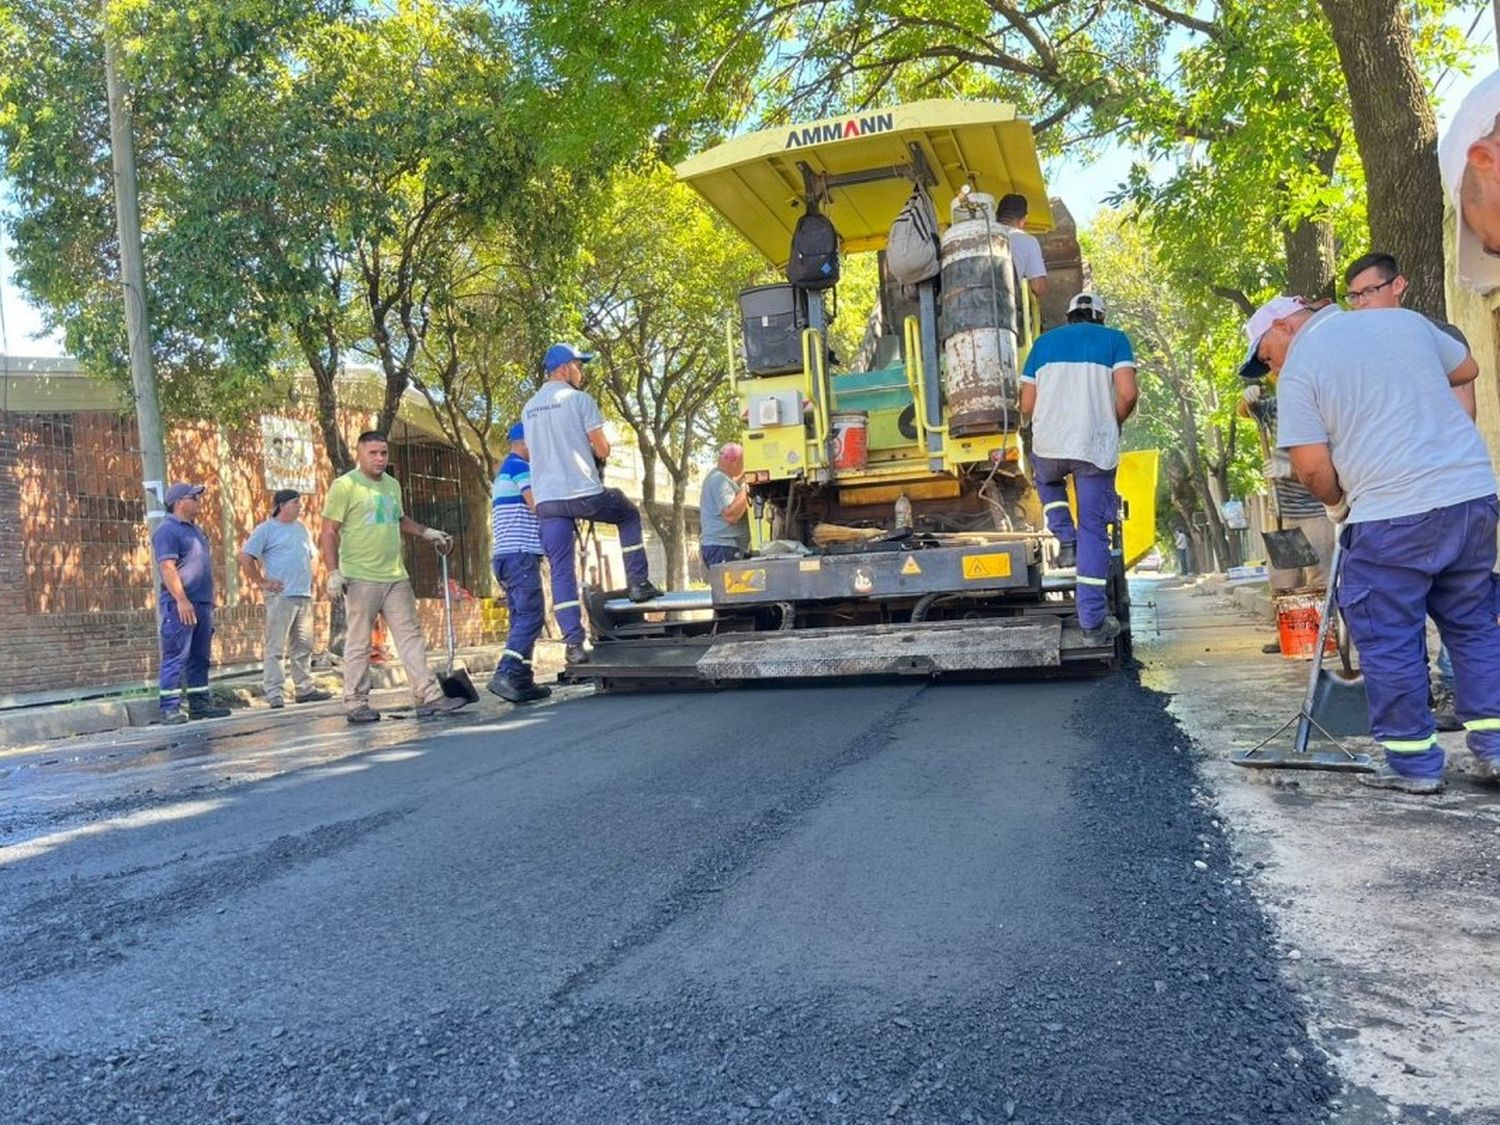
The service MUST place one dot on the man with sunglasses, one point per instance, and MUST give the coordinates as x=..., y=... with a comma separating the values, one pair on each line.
x=564, y=432
x=1373, y=430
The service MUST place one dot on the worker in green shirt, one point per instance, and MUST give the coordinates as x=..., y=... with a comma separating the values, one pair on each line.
x=363, y=522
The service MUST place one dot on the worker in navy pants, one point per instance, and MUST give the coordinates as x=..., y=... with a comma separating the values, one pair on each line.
x=1397, y=572
x=185, y=655
x=1079, y=387
x=1098, y=507
x=559, y=519
x=1373, y=429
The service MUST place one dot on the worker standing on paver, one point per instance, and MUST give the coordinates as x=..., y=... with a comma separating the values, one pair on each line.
x=1373, y=430
x=516, y=555
x=278, y=560
x=723, y=503
x=1025, y=250
x=1079, y=387
x=565, y=435
x=363, y=521
x=185, y=608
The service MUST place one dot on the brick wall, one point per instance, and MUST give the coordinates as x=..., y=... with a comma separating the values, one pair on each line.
x=76, y=582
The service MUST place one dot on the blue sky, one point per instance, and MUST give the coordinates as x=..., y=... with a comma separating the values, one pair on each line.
x=1083, y=186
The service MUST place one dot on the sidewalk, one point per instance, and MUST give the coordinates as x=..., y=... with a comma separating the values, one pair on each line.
x=1385, y=903
x=25, y=728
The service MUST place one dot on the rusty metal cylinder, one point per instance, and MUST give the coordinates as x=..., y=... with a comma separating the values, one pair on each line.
x=978, y=321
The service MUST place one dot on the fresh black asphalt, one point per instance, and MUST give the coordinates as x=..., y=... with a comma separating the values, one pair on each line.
x=889, y=902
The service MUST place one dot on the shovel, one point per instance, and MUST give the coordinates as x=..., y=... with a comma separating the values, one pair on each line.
x=1288, y=549
x=1324, y=689
x=455, y=684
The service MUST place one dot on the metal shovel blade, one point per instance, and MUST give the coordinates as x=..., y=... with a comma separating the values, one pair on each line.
x=456, y=685
x=1289, y=549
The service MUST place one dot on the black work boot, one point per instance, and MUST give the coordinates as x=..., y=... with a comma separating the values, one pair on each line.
x=642, y=591
x=510, y=685
x=528, y=680
x=208, y=709
x=1067, y=555
x=577, y=654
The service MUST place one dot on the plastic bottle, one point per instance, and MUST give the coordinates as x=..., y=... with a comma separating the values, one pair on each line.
x=903, y=512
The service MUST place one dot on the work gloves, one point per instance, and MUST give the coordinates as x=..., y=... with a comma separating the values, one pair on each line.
x=336, y=585
x=439, y=539
x=1339, y=512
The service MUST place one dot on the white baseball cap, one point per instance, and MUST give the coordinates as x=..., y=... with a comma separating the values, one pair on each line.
x=1259, y=324
x=1091, y=302
x=1475, y=118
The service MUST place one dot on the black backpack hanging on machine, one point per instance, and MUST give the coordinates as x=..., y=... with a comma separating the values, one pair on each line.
x=814, y=263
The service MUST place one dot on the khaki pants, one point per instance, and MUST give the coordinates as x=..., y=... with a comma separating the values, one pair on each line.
x=288, y=618
x=1319, y=532
x=395, y=602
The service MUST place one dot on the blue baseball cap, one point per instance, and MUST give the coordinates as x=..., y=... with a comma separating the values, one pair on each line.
x=517, y=432
x=181, y=491
x=559, y=354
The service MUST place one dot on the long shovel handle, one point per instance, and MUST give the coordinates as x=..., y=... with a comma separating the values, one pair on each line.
x=447, y=613
x=1304, y=720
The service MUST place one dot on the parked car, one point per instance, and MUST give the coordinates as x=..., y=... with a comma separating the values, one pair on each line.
x=1152, y=561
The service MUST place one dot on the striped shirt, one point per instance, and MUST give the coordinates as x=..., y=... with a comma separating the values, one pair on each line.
x=513, y=526
x=1073, y=368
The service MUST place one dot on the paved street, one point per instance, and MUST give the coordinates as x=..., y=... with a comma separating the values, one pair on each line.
x=894, y=902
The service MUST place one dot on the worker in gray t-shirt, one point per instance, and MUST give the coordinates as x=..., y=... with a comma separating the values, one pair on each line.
x=1368, y=417
x=277, y=558
x=564, y=431
x=724, y=533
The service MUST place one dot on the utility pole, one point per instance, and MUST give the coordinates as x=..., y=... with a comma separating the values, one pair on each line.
x=133, y=284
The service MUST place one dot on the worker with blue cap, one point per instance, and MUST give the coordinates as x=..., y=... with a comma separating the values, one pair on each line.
x=516, y=555
x=185, y=608
x=564, y=432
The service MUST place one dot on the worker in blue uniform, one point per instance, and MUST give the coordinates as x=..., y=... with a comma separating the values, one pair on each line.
x=1079, y=387
x=1372, y=428
x=516, y=555
x=185, y=608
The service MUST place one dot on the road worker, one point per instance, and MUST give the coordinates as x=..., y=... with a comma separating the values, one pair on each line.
x=363, y=521
x=185, y=608
x=1372, y=428
x=722, y=508
x=565, y=435
x=516, y=555
x=278, y=559
x=1079, y=387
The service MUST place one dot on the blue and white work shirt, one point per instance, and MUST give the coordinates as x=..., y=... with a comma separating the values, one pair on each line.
x=1073, y=368
x=513, y=525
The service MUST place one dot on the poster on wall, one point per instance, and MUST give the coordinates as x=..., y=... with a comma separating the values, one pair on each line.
x=287, y=447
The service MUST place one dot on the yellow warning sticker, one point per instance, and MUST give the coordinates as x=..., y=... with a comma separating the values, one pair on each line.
x=910, y=565
x=751, y=581
x=987, y=566
x=810, y=565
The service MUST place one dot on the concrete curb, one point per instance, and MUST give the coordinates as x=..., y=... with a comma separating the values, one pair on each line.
x=27, y=727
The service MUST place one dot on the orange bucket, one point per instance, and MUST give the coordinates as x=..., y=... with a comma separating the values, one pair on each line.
x=1298, y=617
x=851, y=439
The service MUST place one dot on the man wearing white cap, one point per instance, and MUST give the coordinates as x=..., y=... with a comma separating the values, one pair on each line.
x=1469, y=157
x=1078, y=387
x=1373, y=430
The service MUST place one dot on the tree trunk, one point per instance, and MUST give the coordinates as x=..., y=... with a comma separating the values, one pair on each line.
x=676, y=556
x=1397, y=135
x=1310, y=265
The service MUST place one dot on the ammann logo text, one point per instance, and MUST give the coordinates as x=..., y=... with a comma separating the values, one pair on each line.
x=840, y=130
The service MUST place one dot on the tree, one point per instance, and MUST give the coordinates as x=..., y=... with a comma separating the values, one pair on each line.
x=1187, y=345
x=660, y=274
x=313, y=176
